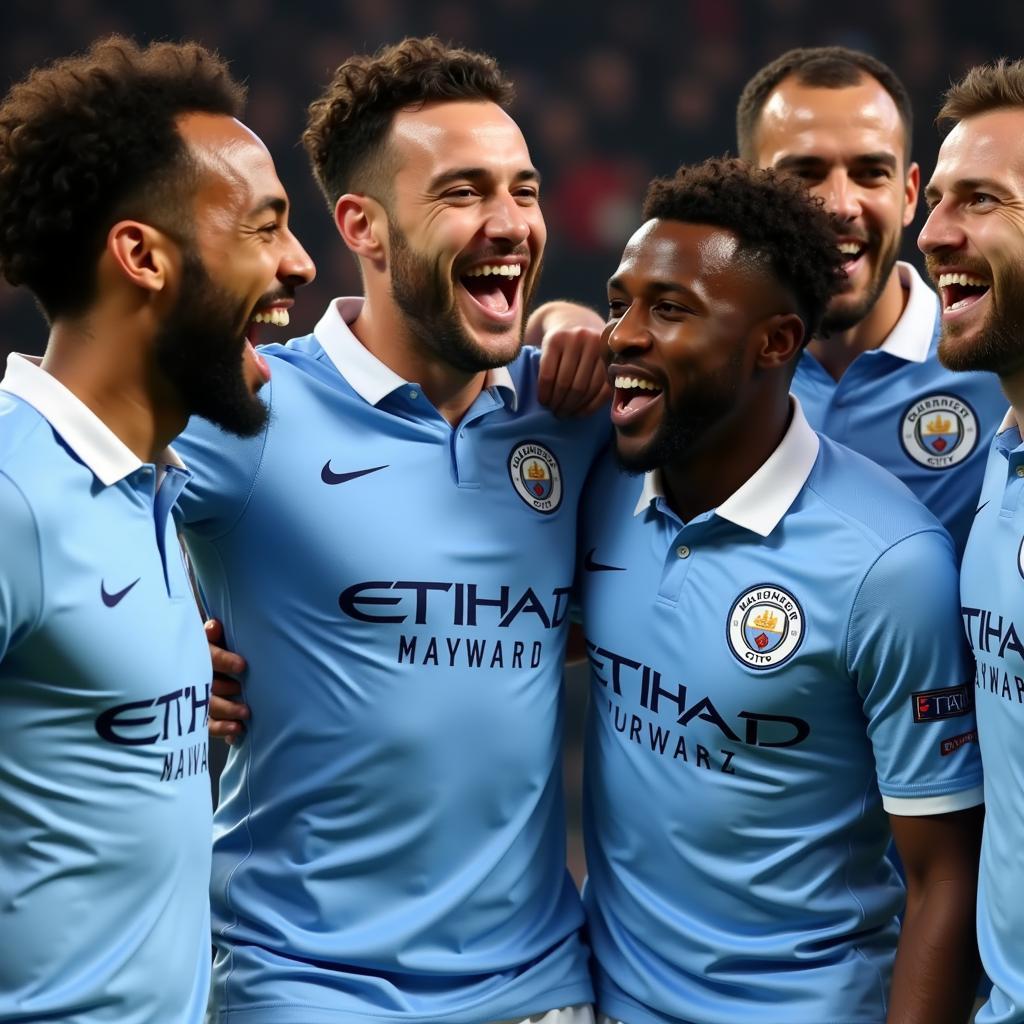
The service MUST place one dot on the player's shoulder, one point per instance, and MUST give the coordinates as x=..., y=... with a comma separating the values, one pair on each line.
x=610, y=492
x=19, y=421
x=525, y=371
x=30, y=450
x=868, y=498
x=294, y=352
x=592, y=431
x=21, y=534
x=299, y=366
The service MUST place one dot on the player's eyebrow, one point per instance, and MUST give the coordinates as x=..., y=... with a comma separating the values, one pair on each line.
x=932, y=192
x=275, y=204
x=454, y=174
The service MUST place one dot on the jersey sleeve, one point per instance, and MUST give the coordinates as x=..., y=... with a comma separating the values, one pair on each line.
x=223, y=471
x=908, y=655
x=21, y=572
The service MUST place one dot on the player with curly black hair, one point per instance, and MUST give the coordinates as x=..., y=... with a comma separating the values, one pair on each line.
x=151, y=227
x=772, y=218
x=777, y=665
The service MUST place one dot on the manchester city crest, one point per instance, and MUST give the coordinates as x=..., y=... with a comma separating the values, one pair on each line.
x=766, y=626
x=536, y=476
x=939, y=431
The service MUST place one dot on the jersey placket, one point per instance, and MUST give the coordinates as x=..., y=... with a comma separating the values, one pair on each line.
x=681, y=543
x=1014, y=489
x=462, y=445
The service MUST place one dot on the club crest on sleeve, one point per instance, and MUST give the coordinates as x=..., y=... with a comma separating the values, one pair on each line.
x=939, y=431
x=765, y=627
x=536, y=476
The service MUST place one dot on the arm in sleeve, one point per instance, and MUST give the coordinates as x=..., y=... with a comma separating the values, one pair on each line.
x=907, y=651
x=21, y=573
x=937, y=968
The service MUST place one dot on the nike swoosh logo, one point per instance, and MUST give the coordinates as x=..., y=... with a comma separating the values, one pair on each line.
x=591, y=566
x=980, y=507
x=112, y=599
x=330, y=477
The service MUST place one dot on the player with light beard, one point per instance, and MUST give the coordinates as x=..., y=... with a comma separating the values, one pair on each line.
x=841, y=122
x=973, y=242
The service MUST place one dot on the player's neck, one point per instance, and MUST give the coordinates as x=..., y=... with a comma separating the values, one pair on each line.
x=1013, y=387
x=727, y=457
x=841, y=348
x=384, y=331
x=116, y=381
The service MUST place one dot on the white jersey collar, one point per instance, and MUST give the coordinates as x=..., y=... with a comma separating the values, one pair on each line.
x=109, y=458
x=911, y=338
x=370, y=378
x=762, y=501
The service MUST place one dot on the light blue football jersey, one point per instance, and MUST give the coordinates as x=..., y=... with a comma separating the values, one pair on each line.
x=899, y=406
x=390, y=842
x=105, y=815
x=767, y=681
x=992, y=604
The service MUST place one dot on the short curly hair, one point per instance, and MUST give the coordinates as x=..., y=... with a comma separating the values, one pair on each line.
x=774, y=217
x=348, y=126
x=91, y=139
x=826, y=67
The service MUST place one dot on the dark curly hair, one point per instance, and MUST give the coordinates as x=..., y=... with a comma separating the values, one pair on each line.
x=774, y=218
x=89, y=140
x=348, y=125
x=827, y=67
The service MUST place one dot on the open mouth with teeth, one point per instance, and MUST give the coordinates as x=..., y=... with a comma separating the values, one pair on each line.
x=632, y=396
x=276, y=316
x=494, y=287
x=852, y=252
x=959, y=291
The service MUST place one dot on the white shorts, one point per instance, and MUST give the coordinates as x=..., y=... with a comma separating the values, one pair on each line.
x=582, y=1014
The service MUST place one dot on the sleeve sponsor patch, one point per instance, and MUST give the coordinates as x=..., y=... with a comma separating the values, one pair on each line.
x=954, y=743
x=934, y=705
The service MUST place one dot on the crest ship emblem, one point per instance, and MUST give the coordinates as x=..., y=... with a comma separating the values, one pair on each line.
x=939, y=431
x=536, y=476
x=765, y=627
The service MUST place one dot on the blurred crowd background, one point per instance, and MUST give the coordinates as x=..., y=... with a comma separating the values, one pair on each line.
x=610, y=93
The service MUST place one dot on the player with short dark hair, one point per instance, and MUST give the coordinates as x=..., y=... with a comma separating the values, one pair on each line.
x=824, y=67
x=777, y=669
x=151, y=227
x=840, y=121
x=973, y=243
x=391, y=832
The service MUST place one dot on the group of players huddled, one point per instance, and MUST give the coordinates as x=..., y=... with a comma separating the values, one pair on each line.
x=793, y=559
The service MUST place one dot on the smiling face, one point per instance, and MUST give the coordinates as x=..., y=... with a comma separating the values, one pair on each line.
x=240, y=266
x=847, y=145
x=973, y=242
x=466, y=234
x=684, y=309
